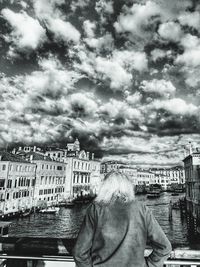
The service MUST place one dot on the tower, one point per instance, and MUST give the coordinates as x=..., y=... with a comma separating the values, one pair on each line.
x=76, y=145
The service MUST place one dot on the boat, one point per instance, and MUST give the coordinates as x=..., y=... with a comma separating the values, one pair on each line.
x=50, y=210
x=153, y=194
x=25, y=214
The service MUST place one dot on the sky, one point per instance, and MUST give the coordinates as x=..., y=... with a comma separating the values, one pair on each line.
x=123, y=76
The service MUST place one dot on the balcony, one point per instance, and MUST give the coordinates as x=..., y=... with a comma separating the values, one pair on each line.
x=51, y=252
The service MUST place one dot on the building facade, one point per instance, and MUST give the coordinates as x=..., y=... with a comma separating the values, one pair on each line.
x=50, y=185
x=192, y=181
x=145, y=177
x=17, y=183
x=82, y=170
x=176, y=174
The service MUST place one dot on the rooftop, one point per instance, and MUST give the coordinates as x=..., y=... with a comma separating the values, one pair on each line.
x=6, y=156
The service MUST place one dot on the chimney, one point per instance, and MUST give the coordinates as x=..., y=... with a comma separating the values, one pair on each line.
x=92, y=156
x=34, y=149
x=31, y=157
x=88, y=155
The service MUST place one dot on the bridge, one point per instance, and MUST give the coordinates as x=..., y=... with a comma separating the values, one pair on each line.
x=51, y=252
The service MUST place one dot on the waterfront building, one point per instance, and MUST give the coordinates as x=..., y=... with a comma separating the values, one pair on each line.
x=111, y=165
x=51, y=186
x=176, y=174
x=192, y=181
x=95, y=177
x=145, y=177
x=82, y=170
x=17, y=181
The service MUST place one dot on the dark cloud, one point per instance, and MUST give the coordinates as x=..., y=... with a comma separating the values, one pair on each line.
x=122, y=76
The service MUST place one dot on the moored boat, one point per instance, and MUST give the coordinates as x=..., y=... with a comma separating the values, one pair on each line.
x=25, y=214
x=153, y=194
x=50, y=210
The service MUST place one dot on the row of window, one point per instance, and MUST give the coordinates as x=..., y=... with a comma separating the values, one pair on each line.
x=52, y=180
x=48, y=198
x=23, y=181
x=20, y=194
x=81, y=165
x=51, y=191
x=53, y=167
x=81, y=179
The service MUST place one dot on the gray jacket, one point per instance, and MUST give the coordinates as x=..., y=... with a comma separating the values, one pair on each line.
x=116, y=235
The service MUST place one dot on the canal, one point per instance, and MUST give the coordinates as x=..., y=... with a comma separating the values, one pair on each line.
x=67, y=222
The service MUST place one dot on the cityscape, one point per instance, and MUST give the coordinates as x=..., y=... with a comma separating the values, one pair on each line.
x=33, y=179
x=93, y=86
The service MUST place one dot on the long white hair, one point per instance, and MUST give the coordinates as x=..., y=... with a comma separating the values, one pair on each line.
x=115, y=186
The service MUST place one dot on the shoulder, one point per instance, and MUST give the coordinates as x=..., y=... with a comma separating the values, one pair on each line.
x=140, y=206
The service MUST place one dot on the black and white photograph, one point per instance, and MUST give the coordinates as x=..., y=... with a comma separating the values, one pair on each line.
x=99, y=133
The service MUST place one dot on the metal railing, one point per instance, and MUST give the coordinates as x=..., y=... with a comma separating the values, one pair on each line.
x=67, y=261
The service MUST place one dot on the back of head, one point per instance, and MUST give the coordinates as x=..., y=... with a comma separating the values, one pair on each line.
x=116, y=186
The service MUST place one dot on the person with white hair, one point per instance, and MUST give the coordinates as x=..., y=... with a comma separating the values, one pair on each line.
x=116, y=229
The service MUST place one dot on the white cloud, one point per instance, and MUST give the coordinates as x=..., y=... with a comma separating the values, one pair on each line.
x=84, y=102
x=191, y=19
x=131, y=60
x=134, y=99
x=63, y=30
x=135, y=17
x=176, y=106
x=105, y=42
x=118, y=76
x=27, y=33
x=47, y=8
x=103, y=6
x=114, y=109
x=89, y=28
x=170, y=31
x=162, y=87
x=53, y=79
x=191, y=55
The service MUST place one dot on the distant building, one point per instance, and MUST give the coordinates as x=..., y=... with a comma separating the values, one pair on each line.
x=192, y=181
x=176, y=174
x=51, y=186
x=145, y=177
x=111, y=165
x=17, y=182
x=82, y=171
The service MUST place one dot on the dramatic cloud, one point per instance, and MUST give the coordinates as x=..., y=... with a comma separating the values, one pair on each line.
x=122, y=76
x=63, y=30
x=170, y=31
x=118, y=76
x=190, y=19
x=161, y=87
x=27, y=33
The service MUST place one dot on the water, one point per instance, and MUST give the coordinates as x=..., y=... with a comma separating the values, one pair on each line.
x=67, y=222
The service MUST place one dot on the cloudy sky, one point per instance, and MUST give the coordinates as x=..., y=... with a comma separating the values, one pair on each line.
x=121, y=75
